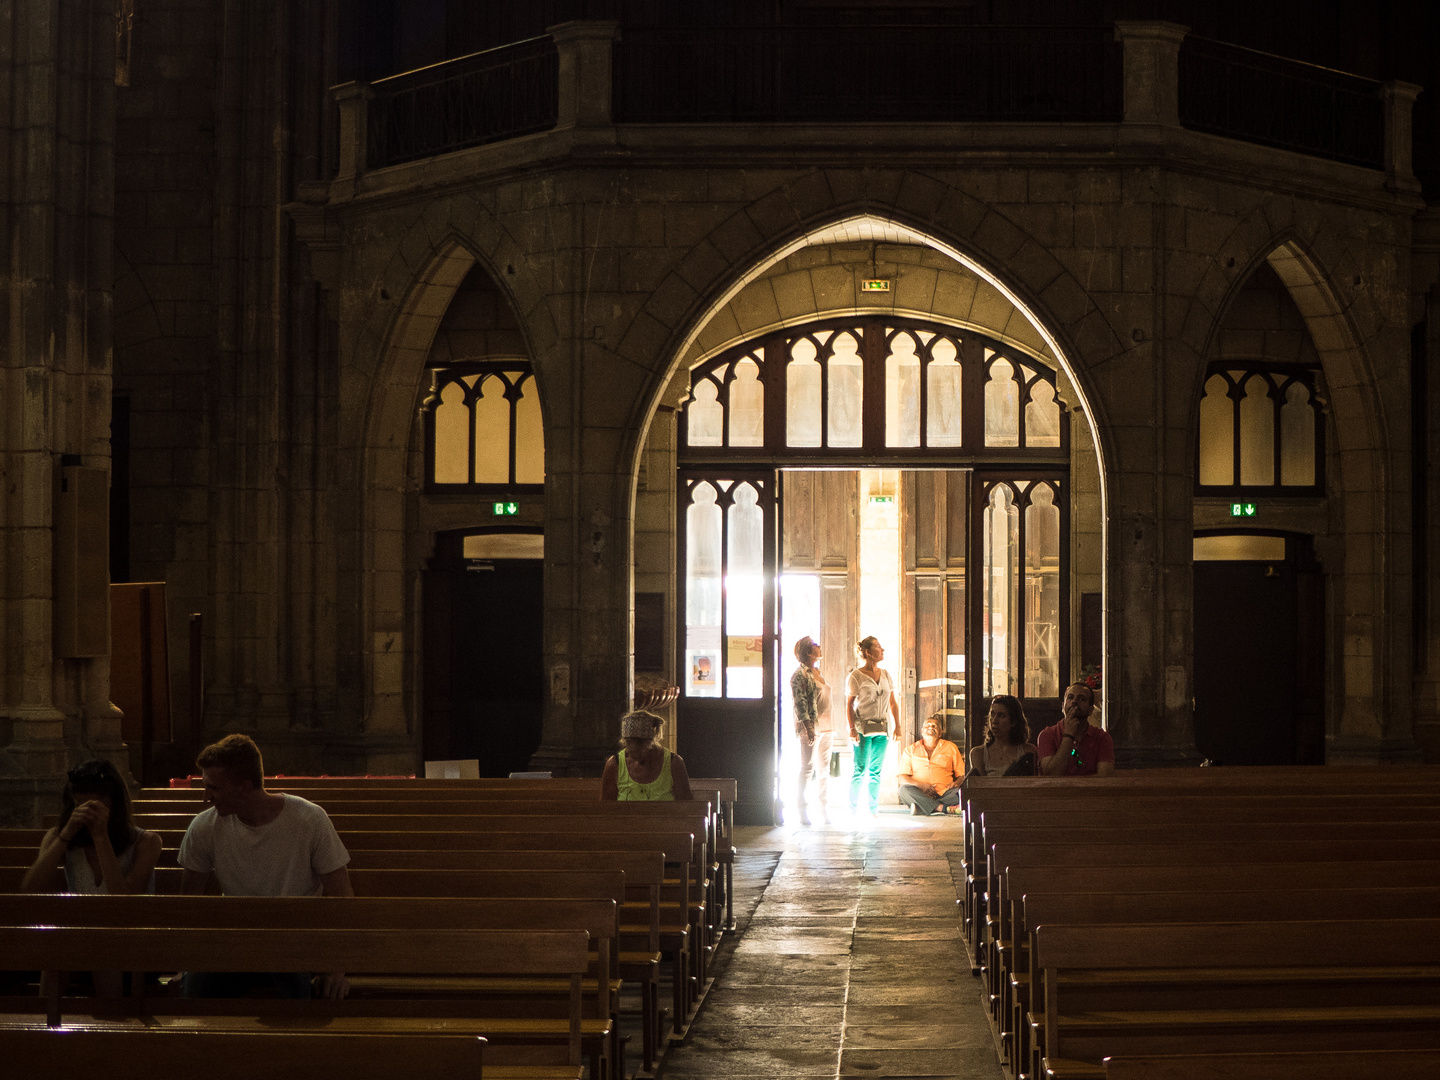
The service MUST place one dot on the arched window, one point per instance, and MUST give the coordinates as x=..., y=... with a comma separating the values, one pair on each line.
x=888, y=387
x=483, y=427
x=1261, y=431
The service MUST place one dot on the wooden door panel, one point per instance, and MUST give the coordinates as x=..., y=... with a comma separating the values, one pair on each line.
x=799, y=512
x=837, y=493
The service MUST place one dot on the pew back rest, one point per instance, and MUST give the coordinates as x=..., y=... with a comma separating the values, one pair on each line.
x=605, y=884
x=1332, y=1065
x=40, y=1052
x=446, y=952
x=1257, y=905
x=1241, y=944
x=596, y=916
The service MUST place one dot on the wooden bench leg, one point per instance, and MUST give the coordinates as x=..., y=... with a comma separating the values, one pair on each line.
x=680, y=969
x=730, y=894
x=650, y=1017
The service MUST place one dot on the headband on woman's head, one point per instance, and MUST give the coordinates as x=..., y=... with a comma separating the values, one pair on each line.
x=637, y=725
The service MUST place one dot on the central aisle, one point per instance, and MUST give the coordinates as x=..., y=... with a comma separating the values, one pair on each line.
x=851, y=963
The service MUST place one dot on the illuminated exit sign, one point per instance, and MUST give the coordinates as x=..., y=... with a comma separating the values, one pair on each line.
x=882, y=500
x=506, y=509
x=875, y=285
x=1243, y=509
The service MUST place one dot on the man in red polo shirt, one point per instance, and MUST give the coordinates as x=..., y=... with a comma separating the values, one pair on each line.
x=1075, y=747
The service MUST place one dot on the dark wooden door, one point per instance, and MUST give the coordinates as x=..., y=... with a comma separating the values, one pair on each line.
x=484, y=675
x=727, y=559
x=1259, y=658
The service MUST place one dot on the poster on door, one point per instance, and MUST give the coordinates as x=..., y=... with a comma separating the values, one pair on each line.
x=704, y=673
x=745, y=652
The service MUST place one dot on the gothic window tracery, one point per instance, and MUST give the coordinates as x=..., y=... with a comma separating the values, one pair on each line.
x=885, y=388
x=483, y=427
x=1261, y=431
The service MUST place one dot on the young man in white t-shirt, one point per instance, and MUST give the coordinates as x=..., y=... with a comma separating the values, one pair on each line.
x=254, y=843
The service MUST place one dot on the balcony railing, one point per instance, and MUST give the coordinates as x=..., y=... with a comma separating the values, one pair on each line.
x=586, y=75
x=886, y=73
x=477, y=99
x=1255, y=97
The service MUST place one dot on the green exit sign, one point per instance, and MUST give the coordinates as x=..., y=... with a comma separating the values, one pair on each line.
x=1243, y=509
x=506, y=509
x=875, y=285
x=882, y=500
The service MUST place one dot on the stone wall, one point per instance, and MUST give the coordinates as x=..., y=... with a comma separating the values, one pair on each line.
x=57, y=67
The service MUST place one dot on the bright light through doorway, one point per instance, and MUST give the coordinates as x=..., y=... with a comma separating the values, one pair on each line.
x=880, y=581
x=880, y=564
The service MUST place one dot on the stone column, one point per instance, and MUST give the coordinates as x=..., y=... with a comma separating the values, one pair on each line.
x=1399, y=98
x=1152, y=70
x=54, y=390
x=588, y=574
x=585, y=92
x=353, y=101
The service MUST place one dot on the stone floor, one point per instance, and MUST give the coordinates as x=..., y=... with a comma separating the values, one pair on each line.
x=847, y=962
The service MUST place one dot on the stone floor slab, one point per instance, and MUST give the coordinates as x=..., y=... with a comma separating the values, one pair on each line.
x=821, y=979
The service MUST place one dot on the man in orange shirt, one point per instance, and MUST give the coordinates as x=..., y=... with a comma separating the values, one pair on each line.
x=930, y=771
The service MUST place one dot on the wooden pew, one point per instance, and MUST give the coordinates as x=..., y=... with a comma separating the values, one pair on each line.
x=686, y=936
x=566, y=794
x=1139, y=827
x=517, y=884
x=1077, y=1043
x=1335, y=1065
x=725, y=792
x=405, y=805
x=1207, y=808
x=644, y=878
x=275, y=1055
x=507, y=997
x=1179, y=845
x=1079, y=805
x=390, y=951
x=1234, y=861
x=1277, y=902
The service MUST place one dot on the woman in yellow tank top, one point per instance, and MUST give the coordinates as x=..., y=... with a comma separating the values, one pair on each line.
x=643, y=770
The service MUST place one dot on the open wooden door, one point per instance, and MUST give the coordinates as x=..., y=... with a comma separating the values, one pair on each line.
x=935, y=524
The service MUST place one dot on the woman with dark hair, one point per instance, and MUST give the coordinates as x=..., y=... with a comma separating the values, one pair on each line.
x=95, y=848
x=1007, y=750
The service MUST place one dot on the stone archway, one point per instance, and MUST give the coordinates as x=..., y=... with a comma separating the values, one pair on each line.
x=1369, y=684
x=1368, y=588
x=388, y=424
x=991, y=306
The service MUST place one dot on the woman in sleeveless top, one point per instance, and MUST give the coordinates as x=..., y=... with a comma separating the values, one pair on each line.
x=811, y=695
x=643, y=770
x=1007, y=750
x=869, y=706
x=94, y=849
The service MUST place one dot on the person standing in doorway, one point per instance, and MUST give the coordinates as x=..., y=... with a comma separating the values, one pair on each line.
x=811, y=695
x=870, y=706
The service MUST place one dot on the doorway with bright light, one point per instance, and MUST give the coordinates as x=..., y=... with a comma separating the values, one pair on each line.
x=861, y=477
